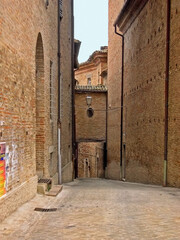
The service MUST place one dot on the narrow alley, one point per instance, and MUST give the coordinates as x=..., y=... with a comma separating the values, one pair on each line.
x=89, y=120
x=98, y=209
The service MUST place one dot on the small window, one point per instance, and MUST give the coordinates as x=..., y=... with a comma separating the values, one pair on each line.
x=88, y=81
x=76, y=82
x=104, y=81
x=90, y=112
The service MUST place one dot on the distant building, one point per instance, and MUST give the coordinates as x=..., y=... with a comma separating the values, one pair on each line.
x=91, y=120
x=94, y=70
x=91, y=130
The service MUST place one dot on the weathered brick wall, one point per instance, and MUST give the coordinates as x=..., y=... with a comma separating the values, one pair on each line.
x=114, y=93
x=93, y=128
x=90, y=154
x=90, y=160
x=25, y=95
x=173, y=174
x=66, y=92
x=144, y=94
x=82, y=75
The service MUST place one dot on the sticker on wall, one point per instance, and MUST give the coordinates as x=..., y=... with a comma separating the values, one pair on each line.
x=2, y=169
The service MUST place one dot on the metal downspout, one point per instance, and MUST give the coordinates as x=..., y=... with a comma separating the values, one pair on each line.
x=105, y=145
x=122, y=100
x=167, y=92
x=59, y=99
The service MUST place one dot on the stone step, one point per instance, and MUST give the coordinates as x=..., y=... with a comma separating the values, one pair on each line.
x=44, y=185
x=42, y=188
x=55, y=190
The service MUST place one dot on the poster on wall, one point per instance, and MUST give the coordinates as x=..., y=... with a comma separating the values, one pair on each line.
x=2, y=169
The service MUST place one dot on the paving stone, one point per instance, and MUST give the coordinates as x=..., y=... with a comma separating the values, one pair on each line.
x=99, y=209
x=55, y=190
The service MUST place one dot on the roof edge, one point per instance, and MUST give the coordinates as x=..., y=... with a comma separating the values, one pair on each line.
x=98, y=53
x=87, y=88
x=129, y=13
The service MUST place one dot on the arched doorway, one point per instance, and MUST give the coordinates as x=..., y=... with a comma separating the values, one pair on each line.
x=40, y=108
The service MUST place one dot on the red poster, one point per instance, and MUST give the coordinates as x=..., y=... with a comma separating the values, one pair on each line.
x=2, y=169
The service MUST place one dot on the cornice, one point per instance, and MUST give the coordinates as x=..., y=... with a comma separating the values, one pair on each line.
x=97, y=54
x=87, y=88
x=128, y=14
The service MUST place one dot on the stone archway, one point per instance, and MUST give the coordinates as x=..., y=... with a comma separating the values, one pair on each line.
x=40, y=108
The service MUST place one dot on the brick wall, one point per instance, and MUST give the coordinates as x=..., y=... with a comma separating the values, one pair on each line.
x=90, y=154
x=27, y=49
x=90, y=128
x=173, y=174
x=144, y=96
x=82, y=74
x=114, y=93
x=66, y=92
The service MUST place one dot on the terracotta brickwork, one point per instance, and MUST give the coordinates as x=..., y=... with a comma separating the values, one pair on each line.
x=91, y=78
x=173, y=174
x=29, y=97
x=94, y=71
x=90, y=128
x=90, y=160
x=66, y=91
x=114, y=93
x=144, y=93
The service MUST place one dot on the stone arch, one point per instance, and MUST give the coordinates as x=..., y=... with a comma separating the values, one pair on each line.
x=40, y=108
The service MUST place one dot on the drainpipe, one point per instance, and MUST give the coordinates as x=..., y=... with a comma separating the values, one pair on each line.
x=59, y=85
x=105, y=144
x=122, y=99
x=167, y=92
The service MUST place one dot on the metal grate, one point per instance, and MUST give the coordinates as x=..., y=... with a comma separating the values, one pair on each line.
x=45, y=209
x=44, y=180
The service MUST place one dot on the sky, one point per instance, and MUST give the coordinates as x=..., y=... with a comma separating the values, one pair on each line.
x=91, y=26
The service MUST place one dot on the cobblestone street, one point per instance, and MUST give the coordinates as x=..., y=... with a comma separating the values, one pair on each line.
x=99, y=209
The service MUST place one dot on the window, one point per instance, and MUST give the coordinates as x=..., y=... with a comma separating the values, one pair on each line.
x=98, y=77
x=90, y=112
x=105, y=80
x=88, y=81
x=76, y=82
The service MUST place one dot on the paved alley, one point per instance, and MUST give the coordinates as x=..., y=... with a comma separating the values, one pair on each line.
x=98, y=209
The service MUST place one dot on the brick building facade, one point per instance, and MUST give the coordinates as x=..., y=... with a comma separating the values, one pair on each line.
x=114, y=93
x=91, y=130
x=29, y=61
x=149, y=99
x=94, y=70
x=66, y=90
